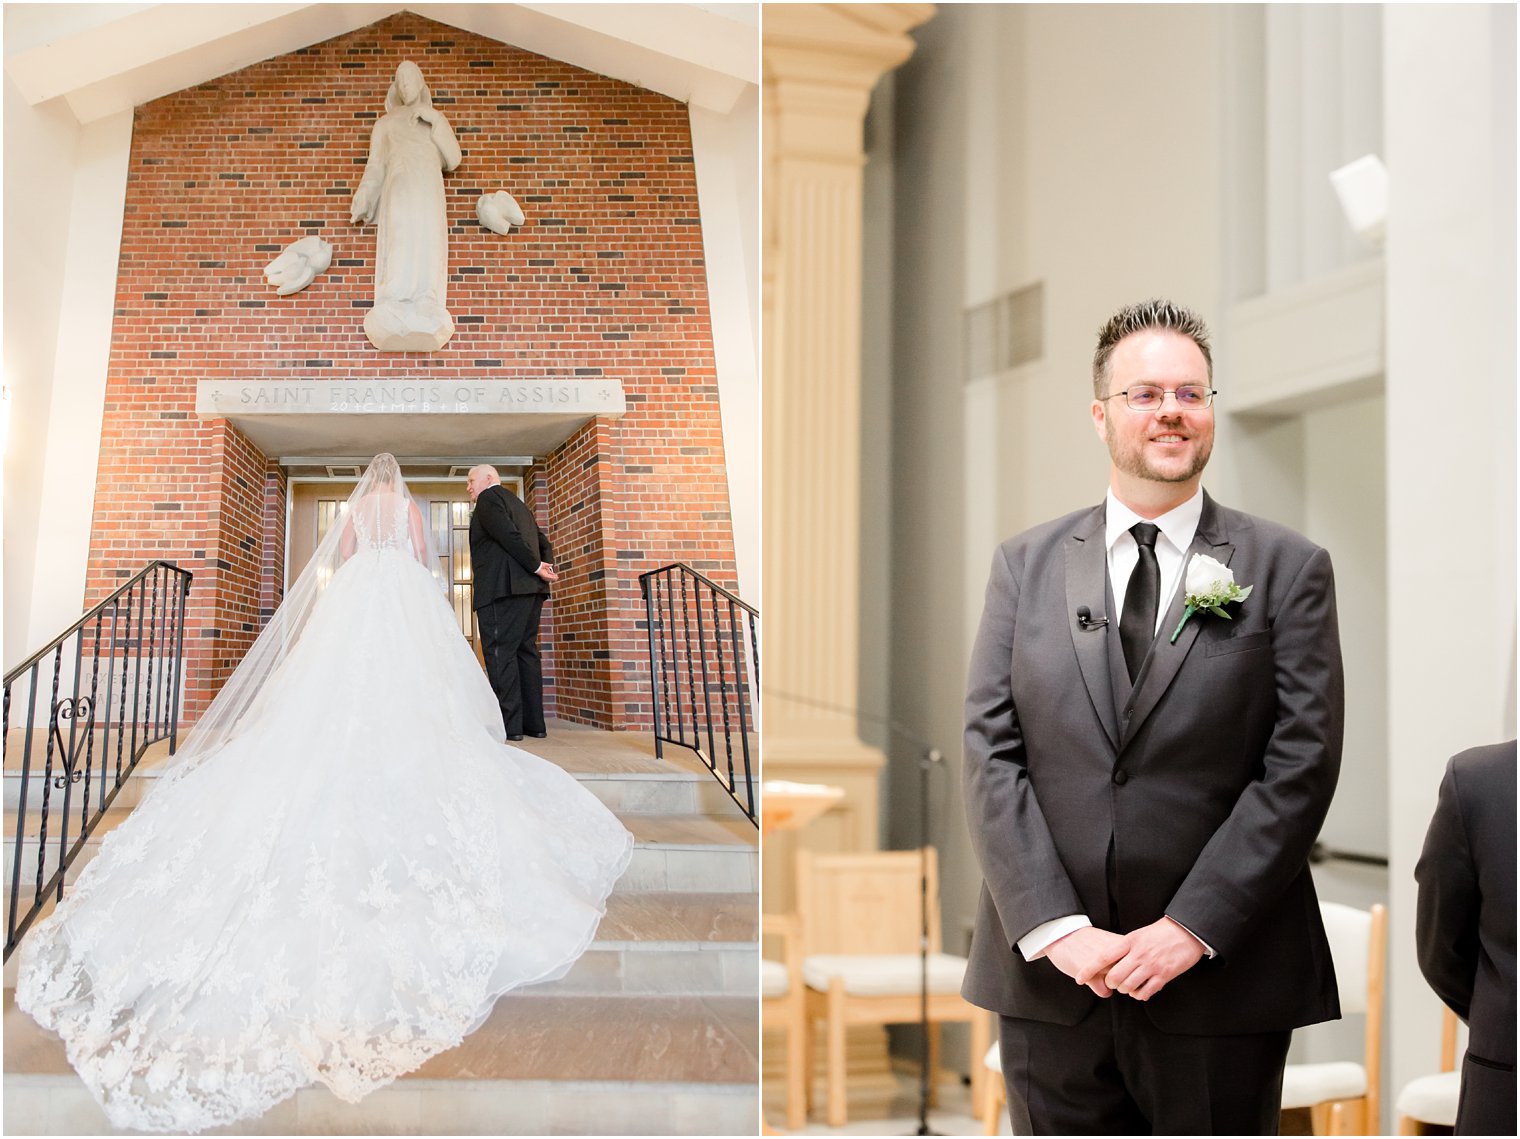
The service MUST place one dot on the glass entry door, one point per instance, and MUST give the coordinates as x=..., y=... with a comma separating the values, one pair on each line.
x=446, y=508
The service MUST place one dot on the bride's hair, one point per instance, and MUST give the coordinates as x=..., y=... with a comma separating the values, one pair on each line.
x=384, y=469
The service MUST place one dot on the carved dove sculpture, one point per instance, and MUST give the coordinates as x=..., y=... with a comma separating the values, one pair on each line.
x=499, y=211
x=298, y=265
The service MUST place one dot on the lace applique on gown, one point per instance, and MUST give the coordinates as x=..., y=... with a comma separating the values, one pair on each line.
x=339, y=891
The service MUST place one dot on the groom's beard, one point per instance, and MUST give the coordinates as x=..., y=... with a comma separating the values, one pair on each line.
x=1130, y=455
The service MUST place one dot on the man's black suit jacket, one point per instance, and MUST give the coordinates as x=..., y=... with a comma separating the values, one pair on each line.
x=1465, y=917
x=1210, y=780
x=506, y=546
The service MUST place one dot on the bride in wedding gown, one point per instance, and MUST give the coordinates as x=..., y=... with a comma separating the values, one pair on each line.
x=343, y=869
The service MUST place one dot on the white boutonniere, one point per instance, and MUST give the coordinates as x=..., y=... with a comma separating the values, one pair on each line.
x=1210, y=586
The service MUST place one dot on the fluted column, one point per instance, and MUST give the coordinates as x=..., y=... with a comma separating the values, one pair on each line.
x=821, y=62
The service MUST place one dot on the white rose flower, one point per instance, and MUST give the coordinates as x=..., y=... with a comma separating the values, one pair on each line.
x=1205, y=576
x=1209, y=586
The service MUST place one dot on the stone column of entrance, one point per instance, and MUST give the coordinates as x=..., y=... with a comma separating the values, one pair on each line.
x=820, y=64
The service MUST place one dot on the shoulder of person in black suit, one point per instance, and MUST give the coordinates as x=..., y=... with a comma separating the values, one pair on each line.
x=503, y=516
x=1466, y=876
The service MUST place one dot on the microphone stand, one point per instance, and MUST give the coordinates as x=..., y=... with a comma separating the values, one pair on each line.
x=928, y=759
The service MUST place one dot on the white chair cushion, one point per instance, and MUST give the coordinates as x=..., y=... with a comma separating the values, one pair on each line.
x=994, y=1059
x=1349, y=931
x=773, y=979
x=1431, y=1099
x=883, y=974
x=1305, y=1085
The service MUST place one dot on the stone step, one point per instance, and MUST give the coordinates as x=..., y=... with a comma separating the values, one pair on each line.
x=629, y=783
x=686, y=944
x=99, y=764
x=675, y=793
x=650, y=943
x=540, y=1065
x=678, y=853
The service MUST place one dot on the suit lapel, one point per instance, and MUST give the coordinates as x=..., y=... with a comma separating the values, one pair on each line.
x=1087, y=587
x=1165, y=658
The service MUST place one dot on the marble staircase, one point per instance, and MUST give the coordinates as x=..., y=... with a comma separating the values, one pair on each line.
x=655, y=1030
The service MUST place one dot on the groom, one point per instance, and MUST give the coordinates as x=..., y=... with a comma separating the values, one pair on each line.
x=1142, y=800
x=512, y=568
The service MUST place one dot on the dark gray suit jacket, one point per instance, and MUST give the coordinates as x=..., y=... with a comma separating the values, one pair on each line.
x=1465, y=921
x=1210, y=779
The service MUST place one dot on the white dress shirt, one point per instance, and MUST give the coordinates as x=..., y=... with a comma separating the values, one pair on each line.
x=1177, y=526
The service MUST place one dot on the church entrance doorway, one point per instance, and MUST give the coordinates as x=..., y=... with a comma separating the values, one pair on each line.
x=316, y=503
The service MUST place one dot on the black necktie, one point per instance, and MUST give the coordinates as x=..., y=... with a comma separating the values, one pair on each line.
x=1137, y=624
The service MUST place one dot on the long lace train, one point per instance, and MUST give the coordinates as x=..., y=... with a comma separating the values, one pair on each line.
x=339, y=892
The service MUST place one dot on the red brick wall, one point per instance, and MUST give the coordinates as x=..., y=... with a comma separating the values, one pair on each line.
x=272, y=568
x=606, y=280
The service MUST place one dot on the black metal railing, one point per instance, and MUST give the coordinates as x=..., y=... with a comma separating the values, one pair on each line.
x=110, y=684
x=704, y=664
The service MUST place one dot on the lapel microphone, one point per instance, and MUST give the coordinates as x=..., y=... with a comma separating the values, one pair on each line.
x=1085, y=619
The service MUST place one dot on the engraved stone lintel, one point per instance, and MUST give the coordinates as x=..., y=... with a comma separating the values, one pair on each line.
x=222, y=398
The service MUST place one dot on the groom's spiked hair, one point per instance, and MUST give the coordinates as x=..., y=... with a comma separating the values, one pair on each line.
x=1154, y=313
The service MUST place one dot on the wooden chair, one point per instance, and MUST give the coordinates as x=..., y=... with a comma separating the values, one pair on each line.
x=783, y=1004
x=1432, y=1100
x=860, y=917
x=1343, y=1095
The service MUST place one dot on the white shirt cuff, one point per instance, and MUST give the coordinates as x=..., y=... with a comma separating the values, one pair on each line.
x=1208, y=950
x=1034, y=943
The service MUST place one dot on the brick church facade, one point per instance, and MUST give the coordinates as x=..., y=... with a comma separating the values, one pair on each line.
x=606, y=281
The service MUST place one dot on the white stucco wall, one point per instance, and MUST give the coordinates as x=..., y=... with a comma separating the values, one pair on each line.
x=64, y=192
x=35, y=237
x=726, y=150
x=1450, y=128
x=79, y=379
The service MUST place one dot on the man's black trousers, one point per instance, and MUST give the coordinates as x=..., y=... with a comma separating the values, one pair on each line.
x=1115, y=1073
x=509, y=641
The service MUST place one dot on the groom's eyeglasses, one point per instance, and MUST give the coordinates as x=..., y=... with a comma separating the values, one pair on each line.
x=1148, y=397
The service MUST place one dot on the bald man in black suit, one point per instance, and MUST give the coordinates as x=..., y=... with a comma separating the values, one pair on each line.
x=512, y=568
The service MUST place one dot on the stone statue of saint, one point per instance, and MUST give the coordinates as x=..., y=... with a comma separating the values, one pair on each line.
x=402, y=191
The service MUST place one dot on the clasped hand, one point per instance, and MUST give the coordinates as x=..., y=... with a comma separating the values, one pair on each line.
x=1137, y=964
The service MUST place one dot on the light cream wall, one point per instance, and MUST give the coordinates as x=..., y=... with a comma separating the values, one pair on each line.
x=1123, y=170
x=924, y=495
x=64, y=192
x=1450, y=136
x=39, y=152
x=78, y=383
x=1345, y=509
x=726, y=154
x=1338, y=498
